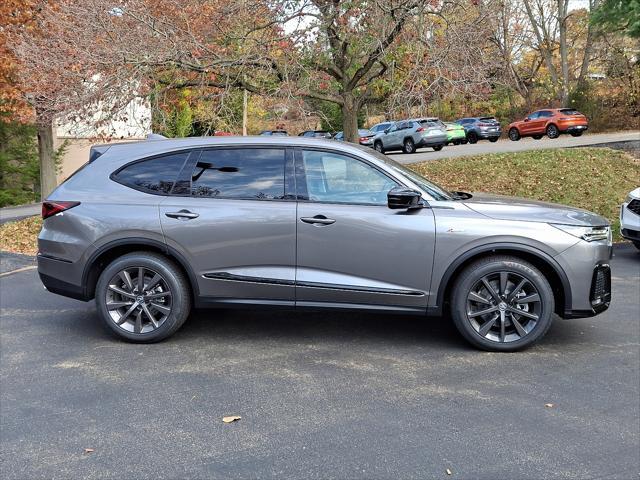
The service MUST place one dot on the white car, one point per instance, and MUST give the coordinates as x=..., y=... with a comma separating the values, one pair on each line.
x=630, y=218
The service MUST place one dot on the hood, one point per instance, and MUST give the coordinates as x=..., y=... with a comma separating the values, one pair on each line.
x=522, y=209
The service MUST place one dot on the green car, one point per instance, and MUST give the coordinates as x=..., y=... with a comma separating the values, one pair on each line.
x=455, y=133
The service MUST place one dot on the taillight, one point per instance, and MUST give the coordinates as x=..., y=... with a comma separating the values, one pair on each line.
x=421, y=129
x=363, y=139
x=51, y=208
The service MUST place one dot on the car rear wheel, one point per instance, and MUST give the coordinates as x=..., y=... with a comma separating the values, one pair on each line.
x=552, y=131
x=514, y=134
x=456, y=142
x=537, y=137
x=408, y=146
x=143, y=297
x=378, y=146
x=576, y=134
x=464, y=141
x=502, y=304
x=493, y=139
x=472, y=137
x=437, y=148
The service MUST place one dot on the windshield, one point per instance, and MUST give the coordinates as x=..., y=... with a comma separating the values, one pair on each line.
x=437, y=192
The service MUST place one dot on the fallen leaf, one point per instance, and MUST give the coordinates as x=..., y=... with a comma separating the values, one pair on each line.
x=548, y=405
x=89, y=450
x=231, y=418
x=449, y=472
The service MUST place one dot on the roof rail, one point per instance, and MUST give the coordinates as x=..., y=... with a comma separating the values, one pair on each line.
x=155, y=136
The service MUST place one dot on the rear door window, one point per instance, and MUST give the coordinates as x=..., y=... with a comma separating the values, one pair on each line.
x=241, y=173
x=155, y=175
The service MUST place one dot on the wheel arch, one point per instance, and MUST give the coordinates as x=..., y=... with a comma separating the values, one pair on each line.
x=545, y=263
x=112, y=250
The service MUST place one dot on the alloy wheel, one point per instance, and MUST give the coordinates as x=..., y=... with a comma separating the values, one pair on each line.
x=138, y=300
x=552, y=131
x=503, y=307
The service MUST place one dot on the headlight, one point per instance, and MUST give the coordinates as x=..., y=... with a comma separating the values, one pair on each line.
x=588, y=234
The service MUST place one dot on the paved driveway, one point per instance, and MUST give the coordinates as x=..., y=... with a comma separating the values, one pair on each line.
x=321, y=396
x=504, y=145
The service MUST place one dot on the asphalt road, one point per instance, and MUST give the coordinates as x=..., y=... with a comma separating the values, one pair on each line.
x=504, y=145
x=320, y=395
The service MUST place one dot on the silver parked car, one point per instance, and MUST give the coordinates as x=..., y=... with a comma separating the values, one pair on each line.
x=630, y=217
x=153, y=228
x=409, y=135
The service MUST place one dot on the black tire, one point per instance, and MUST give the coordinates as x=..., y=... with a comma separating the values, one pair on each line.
x=514, y=134
x=537, y=137
x=576, y=134
x=437, y=148
x=408, y=146
x=172, y=277
x=377, y=146
x=636, y=244
x=552, y=131
x=456, y=142
x=493, y=139
x=472, y=137
x=464, y=141
x=515, y=270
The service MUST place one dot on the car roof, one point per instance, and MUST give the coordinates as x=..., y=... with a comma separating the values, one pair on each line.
x=145, y=148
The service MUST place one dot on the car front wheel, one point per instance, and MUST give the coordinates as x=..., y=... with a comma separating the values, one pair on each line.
x=472, y=137
x=143, y=297
x=378, y=147
x=502, y=304
x=514, y=134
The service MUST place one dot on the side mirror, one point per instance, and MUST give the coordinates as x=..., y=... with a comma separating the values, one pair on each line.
x=403, y=198
x=386, y=130
x=527, y=119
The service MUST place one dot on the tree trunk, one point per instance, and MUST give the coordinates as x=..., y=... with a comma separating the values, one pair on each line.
x=350, y=119
x=48, y=179
x=564, y=62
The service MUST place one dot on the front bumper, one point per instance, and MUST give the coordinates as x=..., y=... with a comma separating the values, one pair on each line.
x=586, y=265
x=629, y=223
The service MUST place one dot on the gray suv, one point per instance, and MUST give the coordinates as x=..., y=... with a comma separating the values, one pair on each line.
x=153, y=228
x=409, y=135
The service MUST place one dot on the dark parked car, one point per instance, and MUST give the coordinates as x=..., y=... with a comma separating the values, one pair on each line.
x=365, y=137
x=151, y=229
x=274, y=133
x=315, y=134
x=481, y=128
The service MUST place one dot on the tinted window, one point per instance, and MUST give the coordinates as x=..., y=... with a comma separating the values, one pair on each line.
x=332, y=177
x=249, y=173
x=156, y=175
x=546, y=114
x=534, y=115
x=569, y=111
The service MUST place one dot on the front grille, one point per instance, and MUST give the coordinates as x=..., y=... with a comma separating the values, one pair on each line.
x=634, y=206
x=601, y=287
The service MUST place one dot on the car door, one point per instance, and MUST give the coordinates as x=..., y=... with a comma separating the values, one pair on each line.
x=351, y=248
x=535, y=124
x=391, y=140
x=232, y=216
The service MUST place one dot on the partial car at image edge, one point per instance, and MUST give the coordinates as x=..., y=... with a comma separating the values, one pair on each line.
x=630, y=218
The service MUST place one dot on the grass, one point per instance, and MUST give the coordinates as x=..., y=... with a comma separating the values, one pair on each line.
x=596, y=179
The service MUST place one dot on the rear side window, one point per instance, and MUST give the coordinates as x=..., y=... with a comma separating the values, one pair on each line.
x=155, y=175
x=243, y=173
x=569, y=111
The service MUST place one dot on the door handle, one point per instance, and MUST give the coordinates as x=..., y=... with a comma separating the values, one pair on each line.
x=318, y=219
x=182, y=214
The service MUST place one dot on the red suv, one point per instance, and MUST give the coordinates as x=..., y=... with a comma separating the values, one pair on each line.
x=550, y=122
